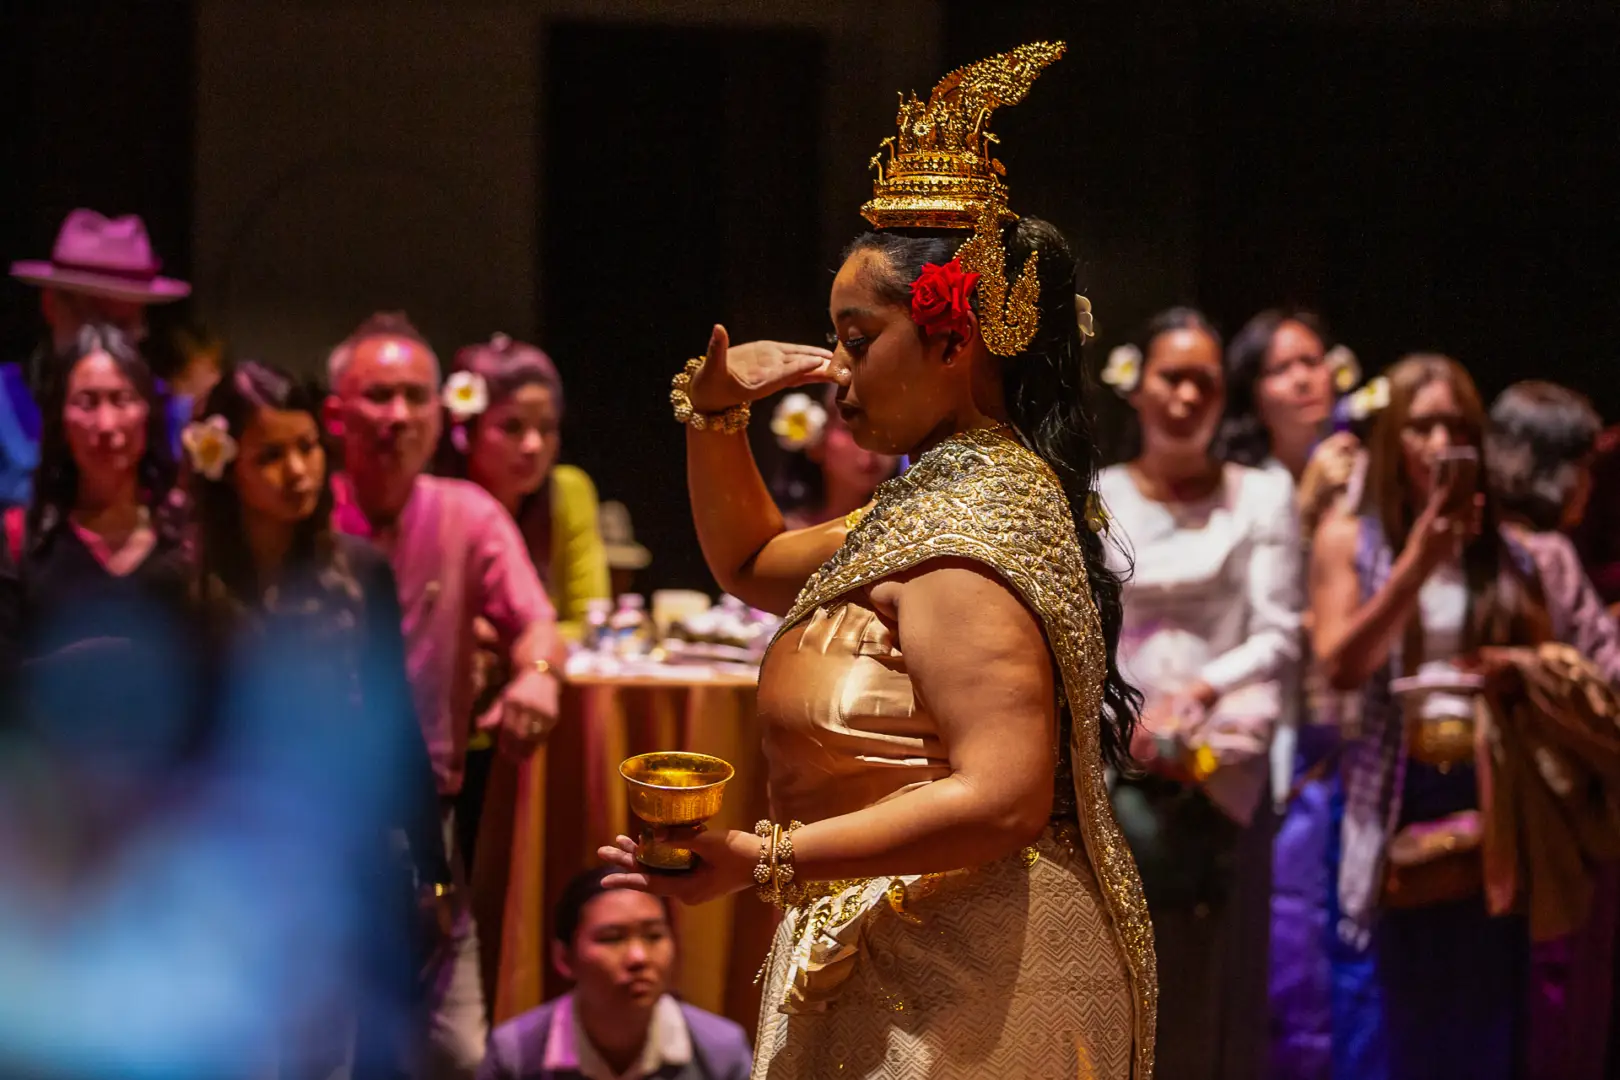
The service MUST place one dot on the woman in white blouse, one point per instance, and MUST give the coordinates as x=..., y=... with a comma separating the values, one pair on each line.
x=1210, y=635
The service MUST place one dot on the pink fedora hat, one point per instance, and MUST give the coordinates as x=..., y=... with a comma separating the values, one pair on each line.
x=101, y=256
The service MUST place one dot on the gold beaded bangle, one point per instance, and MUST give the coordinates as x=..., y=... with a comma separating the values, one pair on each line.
x=766, y=870
x=774, y=874
x=729, y=422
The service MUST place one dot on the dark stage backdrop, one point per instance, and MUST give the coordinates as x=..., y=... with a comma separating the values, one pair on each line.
x=680, y=190
x=1445, y=184
x=98, y=105
x=1443, y=187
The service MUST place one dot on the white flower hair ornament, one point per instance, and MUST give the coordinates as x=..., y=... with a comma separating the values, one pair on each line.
x=209, y=446
x=1083, y=318
x=798, y=422
x=1370, y=399
x=465, y=395
x=1124, y=369
x=1345, y=368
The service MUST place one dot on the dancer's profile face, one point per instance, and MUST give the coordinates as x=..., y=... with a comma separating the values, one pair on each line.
x=896, y=391
x=1182, y=392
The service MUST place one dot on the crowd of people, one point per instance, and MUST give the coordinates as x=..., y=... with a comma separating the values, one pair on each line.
x=1285, y=745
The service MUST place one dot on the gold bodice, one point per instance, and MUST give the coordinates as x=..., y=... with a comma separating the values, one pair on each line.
x=843, y=728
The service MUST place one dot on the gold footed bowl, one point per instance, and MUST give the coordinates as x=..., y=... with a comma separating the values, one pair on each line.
x=672, y=789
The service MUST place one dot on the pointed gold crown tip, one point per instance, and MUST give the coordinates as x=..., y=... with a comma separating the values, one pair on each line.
x=941, y=173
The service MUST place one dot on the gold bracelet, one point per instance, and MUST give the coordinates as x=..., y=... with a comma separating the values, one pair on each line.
x=728, y=422
x=765, y=871
x=775, y=872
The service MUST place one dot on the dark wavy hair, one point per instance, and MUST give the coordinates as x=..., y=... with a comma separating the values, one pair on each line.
x=1129, y=445
x=1048, y=392
x=56, y=479
x=1540, y=438
x=1243, y=437
x=223, y=564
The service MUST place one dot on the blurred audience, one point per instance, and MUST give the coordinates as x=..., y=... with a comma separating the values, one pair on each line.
x=1432, y=980
x=620, y=1020
x=279, y=592
x=457, y=557
x=1598, y=536
x=1540, y=448
x=101, y=577
x=1281, y=383
x=100, y=270
x=505, y=405
x=1210, y=637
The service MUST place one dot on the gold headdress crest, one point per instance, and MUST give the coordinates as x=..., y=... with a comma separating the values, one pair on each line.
x=942, y=175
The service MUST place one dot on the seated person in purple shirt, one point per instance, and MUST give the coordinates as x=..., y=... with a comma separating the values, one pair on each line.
x=620, y=1022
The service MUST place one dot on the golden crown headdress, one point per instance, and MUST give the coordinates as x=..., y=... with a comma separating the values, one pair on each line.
x=941, y=174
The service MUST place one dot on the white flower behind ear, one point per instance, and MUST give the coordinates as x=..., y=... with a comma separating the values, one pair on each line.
x=798, y=421
x=1345, y=368
x=209, y=446
x=1124, y=369
x=465, y=395
x=1083, y=317
x=1372, y=398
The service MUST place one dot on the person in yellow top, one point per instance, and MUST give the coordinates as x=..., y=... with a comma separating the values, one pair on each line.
x=505, y=405
x=505, y=401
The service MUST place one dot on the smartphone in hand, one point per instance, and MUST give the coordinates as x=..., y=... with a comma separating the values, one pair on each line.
x=1456, y=472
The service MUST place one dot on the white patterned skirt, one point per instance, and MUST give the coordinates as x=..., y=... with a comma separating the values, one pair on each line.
x=1010, y=971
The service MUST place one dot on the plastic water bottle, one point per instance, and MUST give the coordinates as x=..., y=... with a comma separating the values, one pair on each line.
x=629, y=625
x=598, y=614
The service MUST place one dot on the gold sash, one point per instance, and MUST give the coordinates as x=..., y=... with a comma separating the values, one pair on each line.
x=985, y=497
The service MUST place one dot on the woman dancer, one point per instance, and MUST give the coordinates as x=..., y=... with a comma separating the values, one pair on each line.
x=942, y=699
x=279, y=592
x=1210, y=638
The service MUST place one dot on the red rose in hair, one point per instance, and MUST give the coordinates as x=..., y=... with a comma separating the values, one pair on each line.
x=939, y=299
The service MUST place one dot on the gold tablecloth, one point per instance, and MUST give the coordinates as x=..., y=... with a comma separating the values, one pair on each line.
x=544, y=819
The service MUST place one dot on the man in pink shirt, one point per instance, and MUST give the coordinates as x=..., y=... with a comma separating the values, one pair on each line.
x=457, y=557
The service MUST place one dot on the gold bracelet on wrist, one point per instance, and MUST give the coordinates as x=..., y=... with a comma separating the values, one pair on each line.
x=728, y=422
x=773, y=876
x=767, y=852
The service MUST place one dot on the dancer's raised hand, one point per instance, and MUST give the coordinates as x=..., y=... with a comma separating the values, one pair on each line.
x=734, y=375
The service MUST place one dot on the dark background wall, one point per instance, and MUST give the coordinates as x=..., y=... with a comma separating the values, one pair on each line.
x=613, y=177
x=98, y=109
x=1440, y=183
x=654, y=236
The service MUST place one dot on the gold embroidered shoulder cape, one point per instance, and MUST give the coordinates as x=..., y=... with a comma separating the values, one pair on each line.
x=985, y=497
